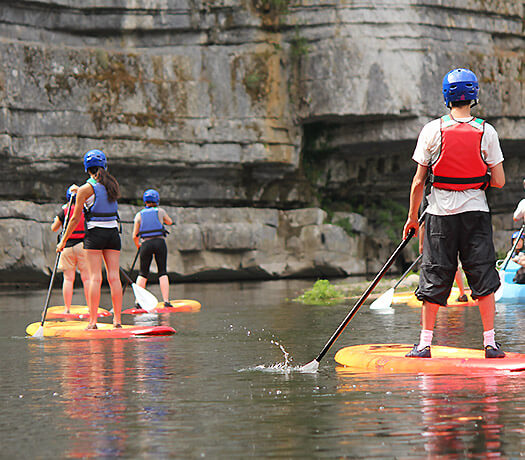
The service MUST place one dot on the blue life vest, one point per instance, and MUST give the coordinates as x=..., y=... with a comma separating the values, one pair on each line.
x=150, y=225
x=102, y=209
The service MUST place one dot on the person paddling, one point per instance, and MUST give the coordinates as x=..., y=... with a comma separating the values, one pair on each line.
x=73, y=256
x=149, y=236
x=463, y=156
x=98, y=199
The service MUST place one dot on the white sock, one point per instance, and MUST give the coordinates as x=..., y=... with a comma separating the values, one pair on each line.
x=425, y=339
x=489, y=338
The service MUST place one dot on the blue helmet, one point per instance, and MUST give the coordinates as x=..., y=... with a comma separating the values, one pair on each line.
x=516, y=234
x=95, y=158
x=460, y=85
x=151, y=196
x=68, y=193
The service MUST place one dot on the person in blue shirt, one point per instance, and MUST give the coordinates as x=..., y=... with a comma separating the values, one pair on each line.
x=149, y=236
x=97, y=198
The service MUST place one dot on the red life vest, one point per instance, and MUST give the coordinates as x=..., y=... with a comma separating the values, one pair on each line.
x=80, y=232
x=460, y=165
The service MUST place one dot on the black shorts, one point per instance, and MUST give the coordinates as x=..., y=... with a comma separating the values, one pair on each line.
x=102, y=238
x=468, y=235
x=153, y=247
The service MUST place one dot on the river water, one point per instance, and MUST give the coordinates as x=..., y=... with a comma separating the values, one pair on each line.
x=224, y=386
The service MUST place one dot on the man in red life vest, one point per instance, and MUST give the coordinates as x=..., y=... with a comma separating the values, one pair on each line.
x=462, y=156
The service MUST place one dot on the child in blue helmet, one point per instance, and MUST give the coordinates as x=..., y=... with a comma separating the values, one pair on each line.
x=149, y=236
x=97, y=198
x=462, y=156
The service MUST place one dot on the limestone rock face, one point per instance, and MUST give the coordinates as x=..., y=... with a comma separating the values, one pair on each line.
x=227, y=105
x=204, y=243
x=230, y=102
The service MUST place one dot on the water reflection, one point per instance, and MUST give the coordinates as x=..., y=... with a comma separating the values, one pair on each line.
x=454, y=415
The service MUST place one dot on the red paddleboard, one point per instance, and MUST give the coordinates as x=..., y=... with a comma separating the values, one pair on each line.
x=77, y=330
x=76, y=312
x=178, y=306
x=445, y=360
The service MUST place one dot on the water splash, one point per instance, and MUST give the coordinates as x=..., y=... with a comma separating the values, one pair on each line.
x=285, y=367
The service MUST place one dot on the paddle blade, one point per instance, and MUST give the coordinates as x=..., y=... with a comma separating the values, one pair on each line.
x=384, y=301
x=39, y=334
x=312, y=366
x=144, y=298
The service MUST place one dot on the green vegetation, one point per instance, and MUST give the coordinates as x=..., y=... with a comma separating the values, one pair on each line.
x=345, y=225
x=322, y=293
x=298, y=46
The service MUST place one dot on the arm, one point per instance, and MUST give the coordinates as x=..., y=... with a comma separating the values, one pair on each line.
x=416, y=195
x=136, y=227
x=497, y=176
x=57, y=223
x=519, y=213
x=167, y=219
x=83, y=194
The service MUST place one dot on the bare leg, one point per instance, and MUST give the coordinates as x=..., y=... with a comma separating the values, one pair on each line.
x=67, y=289
x=112, y=261
x=164, y=283
x=428, y=315
x=487, y=310
x=141, y=281
x=459, y=281
x=94, y=263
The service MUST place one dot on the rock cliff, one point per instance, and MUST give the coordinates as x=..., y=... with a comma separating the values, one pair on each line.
x=271, y=104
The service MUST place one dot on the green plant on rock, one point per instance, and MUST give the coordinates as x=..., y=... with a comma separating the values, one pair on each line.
x=322, y=293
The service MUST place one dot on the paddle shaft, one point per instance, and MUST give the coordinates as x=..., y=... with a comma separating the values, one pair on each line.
x=128, y=279
x=403, y=276
x=507, y=260
x=57, y=259
x=362, y=299
x=131, y=269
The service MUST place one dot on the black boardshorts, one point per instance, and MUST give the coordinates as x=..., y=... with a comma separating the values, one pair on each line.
x=153, y=247
x=102, y=238
x=468, y=235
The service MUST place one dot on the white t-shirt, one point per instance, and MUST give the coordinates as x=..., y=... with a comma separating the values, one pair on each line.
x=446, y=202
x=519, y=214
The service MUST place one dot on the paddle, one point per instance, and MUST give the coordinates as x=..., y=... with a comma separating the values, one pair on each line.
x=312, y=366
x=131, y=269
x=385, y=300
x=499, y=292
x=39, y=334
x=144, y=298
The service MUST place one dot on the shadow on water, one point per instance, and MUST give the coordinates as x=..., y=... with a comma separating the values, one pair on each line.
x=228, y=385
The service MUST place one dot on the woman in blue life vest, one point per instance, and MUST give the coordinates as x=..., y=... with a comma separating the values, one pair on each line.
x=97, y=198
x=149, y=236
x=462, y=153
x=73, y=256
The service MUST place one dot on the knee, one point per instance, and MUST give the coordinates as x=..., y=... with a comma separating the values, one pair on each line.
x=113, y=278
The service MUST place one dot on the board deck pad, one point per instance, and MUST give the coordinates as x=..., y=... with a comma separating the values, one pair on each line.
x=76, y=312
x=391, y=358
x=77, y=330
x=179, y=306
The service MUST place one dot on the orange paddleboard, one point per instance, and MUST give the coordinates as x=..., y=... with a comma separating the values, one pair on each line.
x=445, y=360
x=77, y=330
x=178, y=306
x=76, y=312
